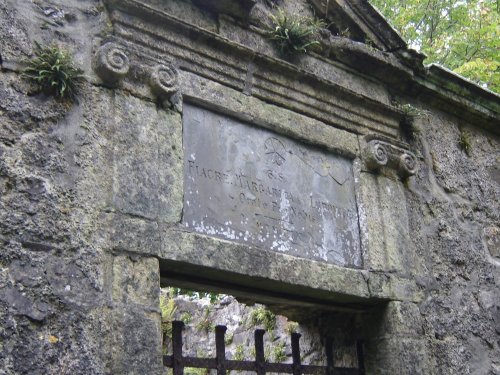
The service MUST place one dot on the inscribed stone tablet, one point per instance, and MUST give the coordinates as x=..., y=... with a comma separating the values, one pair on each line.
x=250, y=185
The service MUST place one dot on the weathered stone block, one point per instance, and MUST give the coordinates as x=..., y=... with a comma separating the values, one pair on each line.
x=126, y=233
x=232, y=262
x=390, y=286
x=401, y=319
x=273, y=117
x=388, y=243
x=492, y=236
x=170, y=167
x=136, y=281
x=135, y=342
x=147, y=144
x=401, y=356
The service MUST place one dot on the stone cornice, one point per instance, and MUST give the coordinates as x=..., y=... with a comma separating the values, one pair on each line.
x=142, y=28
x=463, y=98
x=362, y=15
x=300, y=87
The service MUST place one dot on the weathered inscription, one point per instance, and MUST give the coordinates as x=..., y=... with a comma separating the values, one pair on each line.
x=250, y=185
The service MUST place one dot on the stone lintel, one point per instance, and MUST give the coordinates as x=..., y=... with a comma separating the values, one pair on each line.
x=184, y=254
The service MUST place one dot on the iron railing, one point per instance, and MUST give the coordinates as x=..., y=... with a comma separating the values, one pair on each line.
x=178, y=362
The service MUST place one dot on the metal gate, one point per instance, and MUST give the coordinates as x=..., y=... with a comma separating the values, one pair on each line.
x=178, y=362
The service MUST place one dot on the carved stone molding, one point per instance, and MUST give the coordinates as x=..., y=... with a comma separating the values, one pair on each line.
x=151, y=32
x=164, y=81
x=111, y=63
x=119, y=64
x=235, y=8
x=380, y=154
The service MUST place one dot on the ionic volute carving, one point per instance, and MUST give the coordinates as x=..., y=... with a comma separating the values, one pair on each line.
x=111, y=63
x=381, y=154
x=117, y=66
x=164, y=81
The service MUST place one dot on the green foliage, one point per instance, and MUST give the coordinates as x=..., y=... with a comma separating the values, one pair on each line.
x=253, y=352
x=464, y=142
x=267, y=353
x=53, y=71
x=205, y=324
x=196, y=371
x=293, y=34
x=292, y=327
x=168, y=309
x=239, y=353
x=410, y=114
x=461, y=35
x=228, y=338
x=264, y=317
x=186, y=317
x=214, y=297
x=279, y=354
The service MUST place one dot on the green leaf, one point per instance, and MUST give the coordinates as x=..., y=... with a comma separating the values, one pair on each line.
x=462, y=35
x=53, y=71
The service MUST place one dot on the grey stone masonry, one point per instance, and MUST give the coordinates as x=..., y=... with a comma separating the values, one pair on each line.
x=195, y=154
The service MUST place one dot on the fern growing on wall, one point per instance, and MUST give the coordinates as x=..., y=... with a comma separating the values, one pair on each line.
x=293, y=34
x=53, y=71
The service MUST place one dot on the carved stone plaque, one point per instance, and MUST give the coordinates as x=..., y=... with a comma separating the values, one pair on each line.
x=250, y=185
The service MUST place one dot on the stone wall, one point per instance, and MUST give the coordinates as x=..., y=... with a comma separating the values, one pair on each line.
x=453, y=205
x=69, y=305
x=91, y=203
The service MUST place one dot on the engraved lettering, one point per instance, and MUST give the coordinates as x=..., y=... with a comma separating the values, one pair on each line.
x=268, y=191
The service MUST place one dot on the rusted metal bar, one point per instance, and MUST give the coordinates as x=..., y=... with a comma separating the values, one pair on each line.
x=329, y=356
x=220, y=349
x=296, y=353
x=345, y=371
x=259, y=352
x=178, y=365
x=211, y=363
x=178, y=362
x=361, y=359
x=240, y=365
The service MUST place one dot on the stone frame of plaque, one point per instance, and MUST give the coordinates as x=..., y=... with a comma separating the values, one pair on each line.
x=250, y=185
x=207, y=248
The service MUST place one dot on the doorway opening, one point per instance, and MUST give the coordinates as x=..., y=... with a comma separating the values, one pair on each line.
x=240, y=333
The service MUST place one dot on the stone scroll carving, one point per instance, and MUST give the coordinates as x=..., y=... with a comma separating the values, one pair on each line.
x=379, y=154
x=164, y=81
x=112, y=63
x=116, y=65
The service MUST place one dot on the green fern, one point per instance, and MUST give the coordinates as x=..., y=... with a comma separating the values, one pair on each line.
x=239, y=353
x=205, y=324
x=293, y=34
x=464, y=142
x=52, y=70
x=264, y=317
x=279, y=352
x=168, y=309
